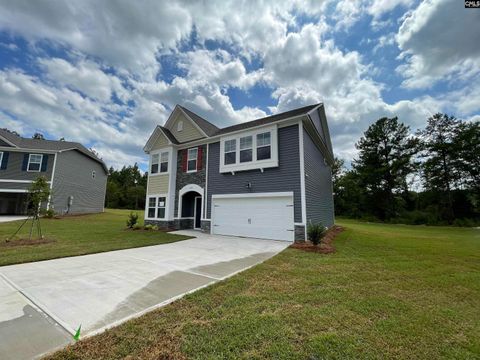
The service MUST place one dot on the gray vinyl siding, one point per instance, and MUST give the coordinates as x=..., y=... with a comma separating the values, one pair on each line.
x=73, y=177
x=14, y=186
x=318, y=185
x=14, y=167
x=285, y=177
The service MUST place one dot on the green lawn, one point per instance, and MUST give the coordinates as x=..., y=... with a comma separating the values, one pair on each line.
x=80, y=235
x=390, y=291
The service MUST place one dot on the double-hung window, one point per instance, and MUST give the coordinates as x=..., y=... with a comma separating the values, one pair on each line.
x=156, y=207
x=245, y=149
x=192, y=159
x=154, y=165
x=264, y=146
x=164, y=162
x=230, y=152
x=34, y=162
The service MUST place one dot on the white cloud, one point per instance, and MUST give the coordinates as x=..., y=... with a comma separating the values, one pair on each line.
x=439, y=40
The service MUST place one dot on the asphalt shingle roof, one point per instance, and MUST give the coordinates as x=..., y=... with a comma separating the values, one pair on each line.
x=49, y=145
x=207, y=127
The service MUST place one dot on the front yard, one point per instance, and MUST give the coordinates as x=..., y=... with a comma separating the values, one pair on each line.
x=390, y=291
x=79, y=235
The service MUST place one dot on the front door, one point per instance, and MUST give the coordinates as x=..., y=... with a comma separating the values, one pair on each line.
x=198, y=213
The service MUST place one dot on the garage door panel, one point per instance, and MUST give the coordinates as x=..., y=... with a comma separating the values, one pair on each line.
x=269, y=217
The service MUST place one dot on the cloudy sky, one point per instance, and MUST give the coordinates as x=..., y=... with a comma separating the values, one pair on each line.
x=106, y=72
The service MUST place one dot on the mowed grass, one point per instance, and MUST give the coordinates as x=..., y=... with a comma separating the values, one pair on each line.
x=79, y=235
x=390, y=291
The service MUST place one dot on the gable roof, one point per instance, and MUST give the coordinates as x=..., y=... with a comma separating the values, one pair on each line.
x=48, y=145
x=267, y=120
x=206, y=126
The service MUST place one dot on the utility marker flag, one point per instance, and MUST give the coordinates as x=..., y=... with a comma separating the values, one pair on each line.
x=76, y=337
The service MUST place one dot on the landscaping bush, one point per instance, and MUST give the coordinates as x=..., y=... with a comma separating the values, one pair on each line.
x=316, y=232
x=155, y=228
x=148, y=227
x=137, y=227
x=132, y=220
x=49, y=214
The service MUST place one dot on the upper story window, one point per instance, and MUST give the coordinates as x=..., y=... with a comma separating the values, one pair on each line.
x=154, y=164
x=264, y=146
x=192, y=159
x=246, y=149
x=230, y=153
x=34, y=162
x=256, y=149
x=159, y=163
x=180, y=125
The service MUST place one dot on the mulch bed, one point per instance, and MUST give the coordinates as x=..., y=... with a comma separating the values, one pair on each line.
x=326, y=245
x=25, y=242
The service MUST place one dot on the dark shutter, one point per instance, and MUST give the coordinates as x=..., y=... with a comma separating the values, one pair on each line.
x=44, y=163
x=200, y=158
x=4, y=163
x=184, y=160
x=25, y=162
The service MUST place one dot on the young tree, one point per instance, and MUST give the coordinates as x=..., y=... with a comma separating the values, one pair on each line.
x=385, y=160
x=440, y=171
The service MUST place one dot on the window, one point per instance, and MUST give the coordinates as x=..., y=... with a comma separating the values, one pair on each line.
x=152, y=205
x=34, y=162
x=264, y=146
x=154, y=166
x=1, y=157
x=93, y=174
x=192, y=160
x=161, y=208
x=164, y=162
x=230, y=152
x=156, y=207
x=245, y=149
x=180, y=125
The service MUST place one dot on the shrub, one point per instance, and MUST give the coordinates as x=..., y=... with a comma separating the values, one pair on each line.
x=49, y=214
x=137, y=227
x=155, y=228
x=148, y=227
x=132, y=220
x=316, y=232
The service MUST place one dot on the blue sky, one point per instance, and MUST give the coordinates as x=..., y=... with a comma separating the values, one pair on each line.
x=106, y=73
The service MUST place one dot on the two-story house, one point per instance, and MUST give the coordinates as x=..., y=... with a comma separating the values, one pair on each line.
x=76, y=176
x=266, y=178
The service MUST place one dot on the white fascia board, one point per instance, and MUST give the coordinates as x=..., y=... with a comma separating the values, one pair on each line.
x=14, y=190
x=17, y=149
x=253, y=195
x=302, y=173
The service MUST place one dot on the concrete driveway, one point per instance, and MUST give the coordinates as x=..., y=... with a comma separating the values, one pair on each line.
x=43, y=303
x=8, y=218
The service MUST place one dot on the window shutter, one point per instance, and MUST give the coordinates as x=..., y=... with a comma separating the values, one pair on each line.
x=44, y=163
x=25, y=162
x=199, y=158
x=184, y=160
x=3, y=166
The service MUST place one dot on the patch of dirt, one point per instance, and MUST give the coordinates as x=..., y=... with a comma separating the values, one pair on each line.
x=25, y=242
x=325, y=246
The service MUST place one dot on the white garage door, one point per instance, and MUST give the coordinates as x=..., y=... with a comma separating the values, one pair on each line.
x=264, y=216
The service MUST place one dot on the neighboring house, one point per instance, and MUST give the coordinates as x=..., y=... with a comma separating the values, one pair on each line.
x=76, y=176
x=266, y=178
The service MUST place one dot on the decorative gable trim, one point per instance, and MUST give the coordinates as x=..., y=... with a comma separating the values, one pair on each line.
x=174, y=115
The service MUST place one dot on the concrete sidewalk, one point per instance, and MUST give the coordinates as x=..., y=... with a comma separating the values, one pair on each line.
x=102, y=290
x=8, y=218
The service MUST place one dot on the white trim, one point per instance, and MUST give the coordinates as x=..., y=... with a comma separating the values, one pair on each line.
x=51, y=182
x=1, y=157
x=204, y=204
x=19, y=181
x=248, y=195
x=196, y=159
x=159, y=152
x=27, y=150
x=147, y=206
x=153, y=138
x=299, y=224
x=195, y=213
x=302, y=175
x=29, y=161
x=254, y=163
x=7, y=141
x=183, y=191
x=14, y=190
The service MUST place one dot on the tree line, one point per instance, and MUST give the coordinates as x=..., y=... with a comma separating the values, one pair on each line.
x=430, y=177
x=126, y=188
